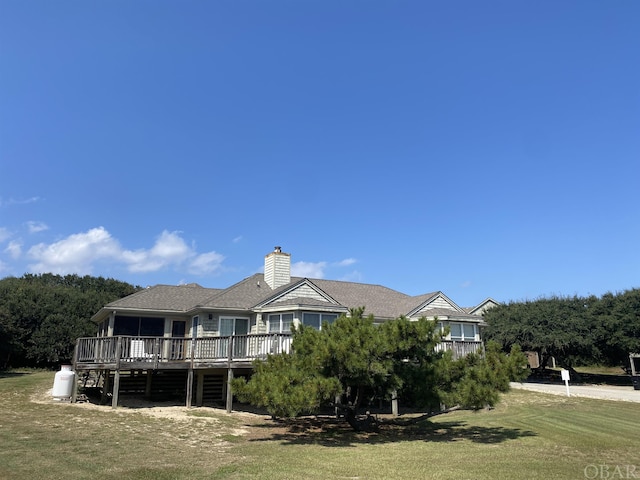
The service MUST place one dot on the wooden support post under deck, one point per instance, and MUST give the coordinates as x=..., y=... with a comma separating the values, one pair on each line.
x=200, y=389
x=190, y=373
x=116, y=388
x=229, y=391
x=229, y=375
x=105, y=386
x=147, y=387
x=116, y=377
x=189, y=386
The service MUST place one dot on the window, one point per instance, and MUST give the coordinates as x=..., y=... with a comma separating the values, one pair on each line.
x=233, y=326
x=280, y=323
x=463, y=331
x=316, y=320
x=138, y=326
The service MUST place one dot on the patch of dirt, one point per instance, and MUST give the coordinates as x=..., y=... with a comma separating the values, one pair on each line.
x=165, y=410
x=325, y=429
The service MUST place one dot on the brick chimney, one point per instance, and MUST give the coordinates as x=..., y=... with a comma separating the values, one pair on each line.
x=277, y=268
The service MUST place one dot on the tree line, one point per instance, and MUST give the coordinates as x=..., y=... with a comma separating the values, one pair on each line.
x=574, y=330
x=42, y=315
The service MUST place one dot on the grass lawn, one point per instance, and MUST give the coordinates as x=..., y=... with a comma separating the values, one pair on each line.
x=528, y=436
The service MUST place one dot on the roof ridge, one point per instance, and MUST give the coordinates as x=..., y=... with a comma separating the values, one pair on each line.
x=230, y=288
x=359, y=283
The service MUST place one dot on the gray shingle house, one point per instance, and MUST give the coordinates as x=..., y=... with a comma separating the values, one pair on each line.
x=162, y=338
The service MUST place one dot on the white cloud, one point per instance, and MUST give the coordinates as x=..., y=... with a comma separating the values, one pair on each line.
x=170, y=246
x=80, y=252
x=13, y=201
x=308, y=269
x=76, y=253
x=35, y=227
x=206, y=263
x=346, y=262
x=466, y=284
x=4, y=234
x=171, y=249
x=238, y=239
x=14, y=249
x=317, y=269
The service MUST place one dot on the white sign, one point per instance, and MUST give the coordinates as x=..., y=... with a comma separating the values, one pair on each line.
x=565, y=377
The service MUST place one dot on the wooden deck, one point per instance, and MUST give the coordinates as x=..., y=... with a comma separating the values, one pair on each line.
x=196, y=356
x=122, y=352
x=238, y=351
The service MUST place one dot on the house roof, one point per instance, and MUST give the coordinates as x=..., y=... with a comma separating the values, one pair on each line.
x=482, y=306
x=254, y=294
x=253, y=291
x=242, y=295
x=165, y=298
x=381, y=301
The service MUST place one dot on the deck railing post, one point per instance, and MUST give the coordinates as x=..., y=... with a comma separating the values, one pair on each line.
x=156, y=353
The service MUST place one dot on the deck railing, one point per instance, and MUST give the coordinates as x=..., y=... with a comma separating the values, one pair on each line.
x=109, y=350
x=460, y=348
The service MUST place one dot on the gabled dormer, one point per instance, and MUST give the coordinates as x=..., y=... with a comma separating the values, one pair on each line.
x=483, y=306
x=302, y=292
x=437, y=302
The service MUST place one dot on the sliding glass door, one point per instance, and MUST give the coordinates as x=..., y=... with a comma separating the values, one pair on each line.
x=234, y=326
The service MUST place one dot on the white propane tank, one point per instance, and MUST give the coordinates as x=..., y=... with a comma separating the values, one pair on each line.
x=63, y=383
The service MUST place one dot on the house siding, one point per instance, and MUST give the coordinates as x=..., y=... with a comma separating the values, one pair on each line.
x=438, y=302
x=209, y=327
x=304, y=291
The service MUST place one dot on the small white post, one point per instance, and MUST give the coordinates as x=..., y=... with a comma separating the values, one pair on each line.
x=565, y=377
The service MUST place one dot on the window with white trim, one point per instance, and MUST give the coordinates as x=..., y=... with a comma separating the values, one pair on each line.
x=463, y=331
x=233, y=326
x=280, y=322
x=316, y=319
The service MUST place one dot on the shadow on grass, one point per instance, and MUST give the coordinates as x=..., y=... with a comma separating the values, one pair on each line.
x=331, y=432
x=4, y=374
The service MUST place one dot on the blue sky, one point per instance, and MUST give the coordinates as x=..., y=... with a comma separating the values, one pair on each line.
x=485, y=149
